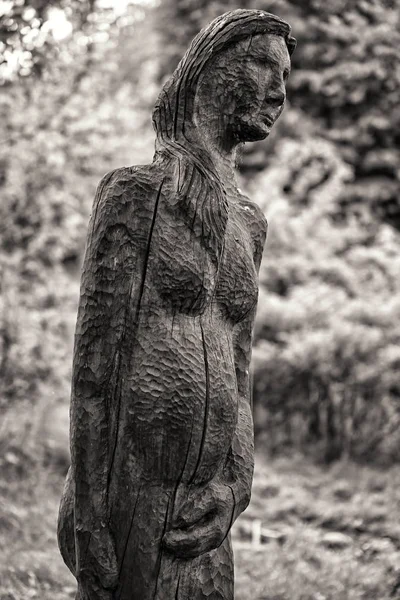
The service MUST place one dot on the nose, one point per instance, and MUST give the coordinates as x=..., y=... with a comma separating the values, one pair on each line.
x=276, y=98
x=276, y=93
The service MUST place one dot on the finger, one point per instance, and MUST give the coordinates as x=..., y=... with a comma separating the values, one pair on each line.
x=92, y=590
x=195, y=541
x=193, y=510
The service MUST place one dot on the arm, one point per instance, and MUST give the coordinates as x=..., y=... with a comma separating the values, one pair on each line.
x=106, y=290
x=239, y=465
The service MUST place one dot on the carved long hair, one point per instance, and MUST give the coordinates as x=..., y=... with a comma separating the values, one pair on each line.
x=173, y=116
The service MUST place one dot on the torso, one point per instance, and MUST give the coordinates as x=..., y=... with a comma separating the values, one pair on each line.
x=180, y=397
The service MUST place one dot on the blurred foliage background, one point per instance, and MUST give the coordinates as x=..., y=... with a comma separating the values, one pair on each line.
x=78, y=79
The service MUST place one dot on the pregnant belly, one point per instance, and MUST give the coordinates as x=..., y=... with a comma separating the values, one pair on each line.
x=179, y=402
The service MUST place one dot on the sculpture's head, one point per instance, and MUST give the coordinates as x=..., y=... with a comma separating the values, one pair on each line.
x=231, y=79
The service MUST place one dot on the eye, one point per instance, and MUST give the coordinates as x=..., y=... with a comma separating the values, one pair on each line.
x=286, y=74
x=263, y=61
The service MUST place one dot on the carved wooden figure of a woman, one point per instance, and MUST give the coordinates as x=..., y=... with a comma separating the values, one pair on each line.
x=161, y=425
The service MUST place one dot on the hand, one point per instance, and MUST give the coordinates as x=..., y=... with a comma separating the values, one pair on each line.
x=202, y=522
x=98, y=569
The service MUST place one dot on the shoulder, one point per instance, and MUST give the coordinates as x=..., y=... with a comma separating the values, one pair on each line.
x=121, y=220
x=124, y=196
x=119, y=186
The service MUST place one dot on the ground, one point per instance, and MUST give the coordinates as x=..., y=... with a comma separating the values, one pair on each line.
x=337, y=533
x=310, y=533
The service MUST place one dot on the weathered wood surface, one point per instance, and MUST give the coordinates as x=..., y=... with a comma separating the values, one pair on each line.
x=161, y=424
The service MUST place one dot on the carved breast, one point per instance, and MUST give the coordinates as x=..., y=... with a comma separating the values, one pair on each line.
x=182, y=271
x=185, y=277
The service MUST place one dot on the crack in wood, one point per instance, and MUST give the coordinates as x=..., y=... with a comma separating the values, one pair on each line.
x=160, y=354
x=130, y=530
x=206, y=405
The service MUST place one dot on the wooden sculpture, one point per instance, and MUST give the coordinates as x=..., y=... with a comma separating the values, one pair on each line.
x=161, y=424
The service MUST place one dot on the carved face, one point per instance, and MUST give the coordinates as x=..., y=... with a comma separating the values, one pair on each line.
x=246, y=85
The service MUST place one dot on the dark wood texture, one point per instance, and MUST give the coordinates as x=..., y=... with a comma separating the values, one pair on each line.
x=161, y=424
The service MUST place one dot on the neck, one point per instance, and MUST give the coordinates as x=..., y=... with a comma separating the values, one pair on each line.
x=222, y=153
x=225, y=165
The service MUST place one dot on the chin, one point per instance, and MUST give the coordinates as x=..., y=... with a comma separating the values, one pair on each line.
x=261, y=134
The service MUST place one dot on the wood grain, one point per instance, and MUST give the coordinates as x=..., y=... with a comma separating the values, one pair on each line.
x=161, y=424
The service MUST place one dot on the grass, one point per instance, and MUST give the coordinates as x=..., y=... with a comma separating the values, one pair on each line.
x=299, y=503
x=306, y=503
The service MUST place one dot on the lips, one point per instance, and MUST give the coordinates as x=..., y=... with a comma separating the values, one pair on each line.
x=267, y=120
